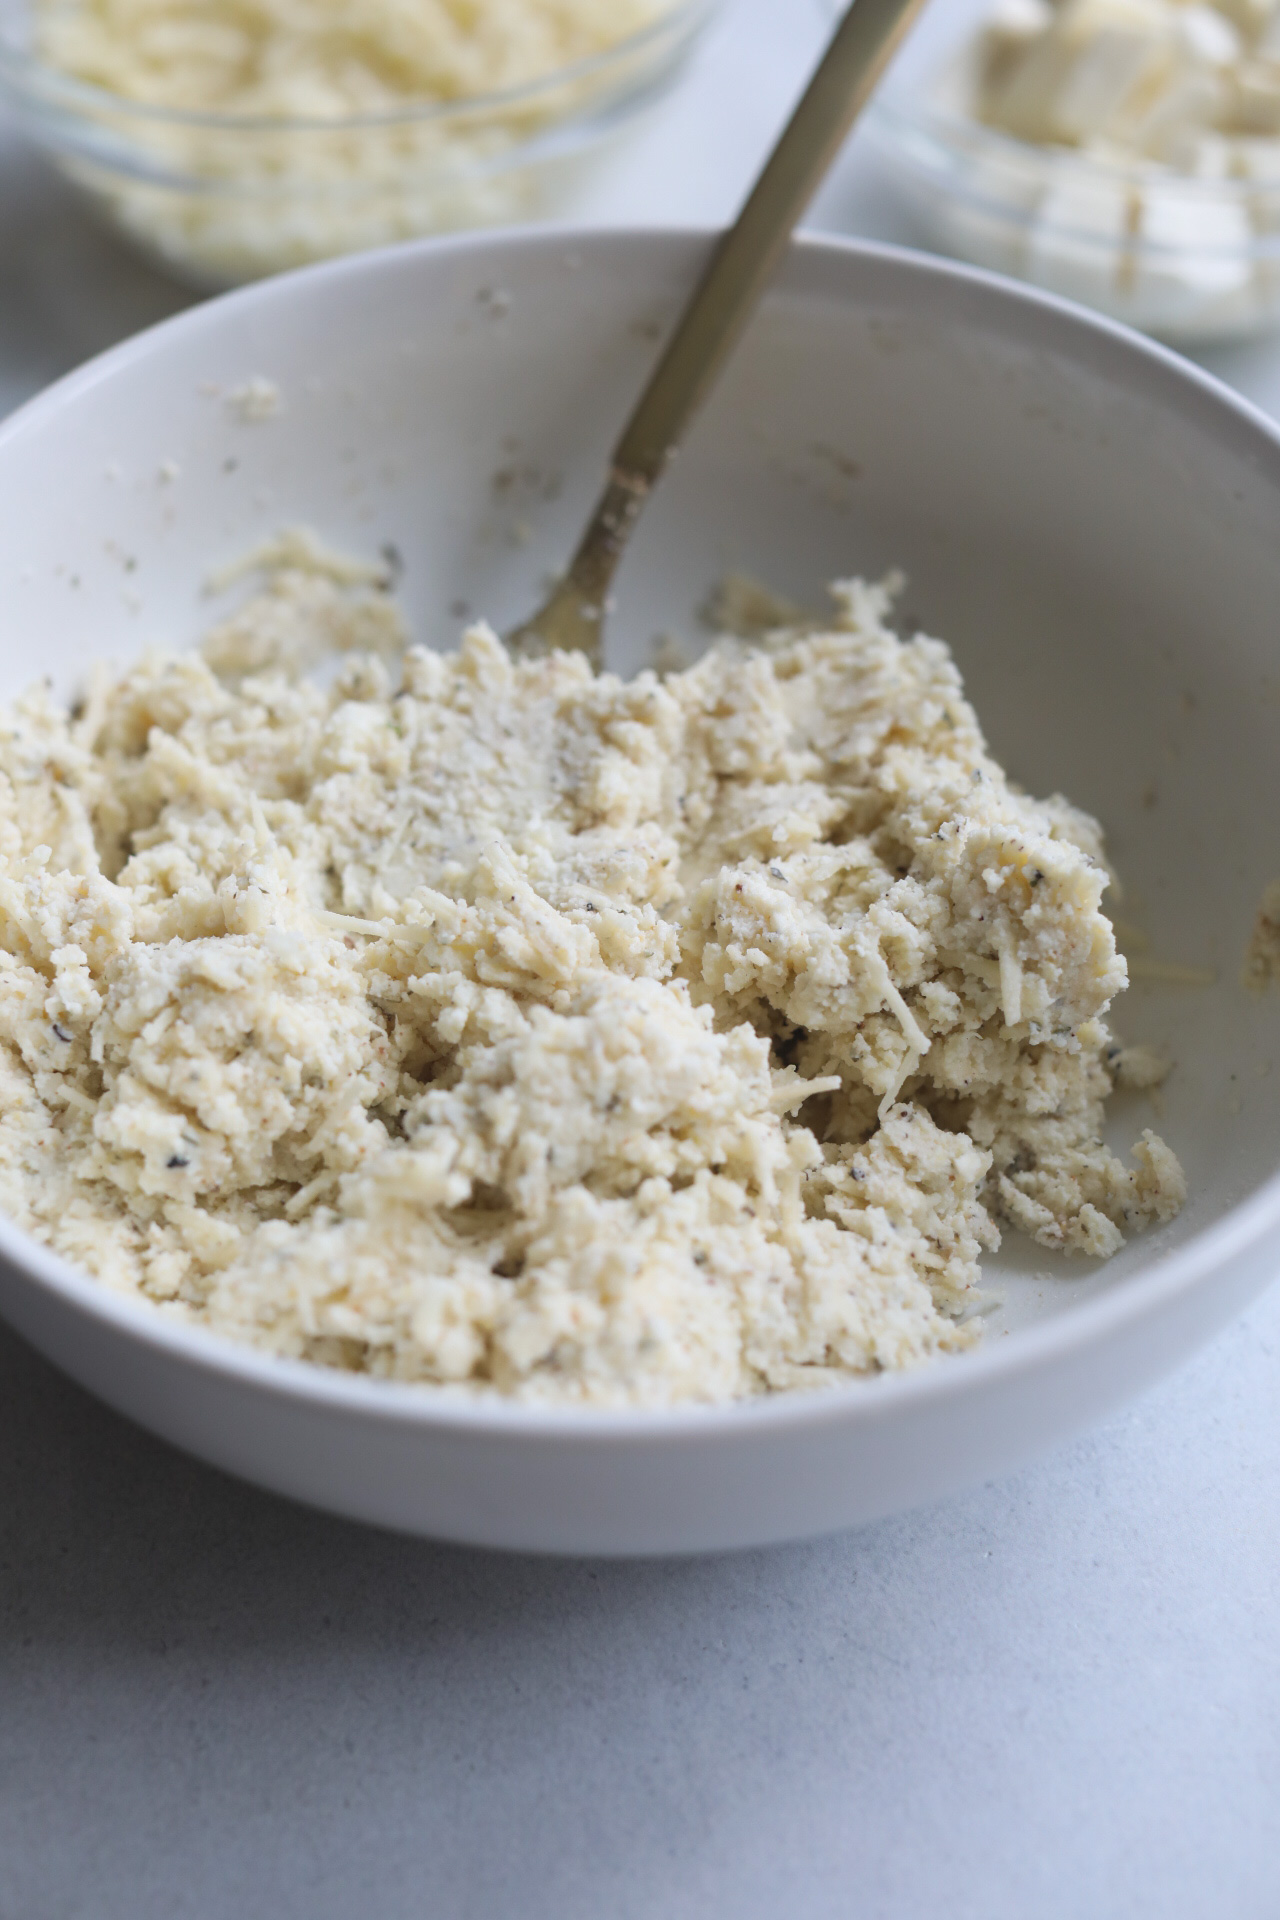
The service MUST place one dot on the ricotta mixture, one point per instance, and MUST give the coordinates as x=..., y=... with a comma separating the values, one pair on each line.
x=544, y=1034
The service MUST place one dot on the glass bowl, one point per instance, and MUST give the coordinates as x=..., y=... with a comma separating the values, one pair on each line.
x=1189, y=258
x=219, y=199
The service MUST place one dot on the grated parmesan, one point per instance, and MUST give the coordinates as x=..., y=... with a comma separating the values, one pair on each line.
x=324, y=59
x=276, y=132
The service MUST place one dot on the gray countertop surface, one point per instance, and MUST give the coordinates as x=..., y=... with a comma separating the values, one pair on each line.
x=1057, y=1696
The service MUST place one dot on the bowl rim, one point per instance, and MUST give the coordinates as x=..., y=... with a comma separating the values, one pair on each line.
x=1083, y=1324
x=902, y=110
x=36, y=84
x=899, y=121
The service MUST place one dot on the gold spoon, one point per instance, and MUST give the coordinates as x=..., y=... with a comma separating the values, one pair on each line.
x=712, y=323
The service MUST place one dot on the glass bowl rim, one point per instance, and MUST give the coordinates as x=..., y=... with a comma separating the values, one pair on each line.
x=895, y=117
x=37, y=83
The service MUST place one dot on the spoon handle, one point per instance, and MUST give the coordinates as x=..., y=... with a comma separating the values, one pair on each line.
x=720, y=308
x=745, y=258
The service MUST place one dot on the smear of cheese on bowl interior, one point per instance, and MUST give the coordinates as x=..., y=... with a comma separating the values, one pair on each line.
x=545, y=1034
x=1262, y=956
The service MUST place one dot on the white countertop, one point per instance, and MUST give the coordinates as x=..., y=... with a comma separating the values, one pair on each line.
x=1057, y=1697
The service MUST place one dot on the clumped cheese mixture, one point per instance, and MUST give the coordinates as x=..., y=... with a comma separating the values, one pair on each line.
x=325, y=59
x=545, y=1034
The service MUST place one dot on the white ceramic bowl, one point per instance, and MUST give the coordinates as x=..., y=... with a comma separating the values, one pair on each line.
x=1090, y=522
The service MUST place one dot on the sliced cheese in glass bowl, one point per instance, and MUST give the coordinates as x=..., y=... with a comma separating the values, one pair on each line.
x=1124, y=153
